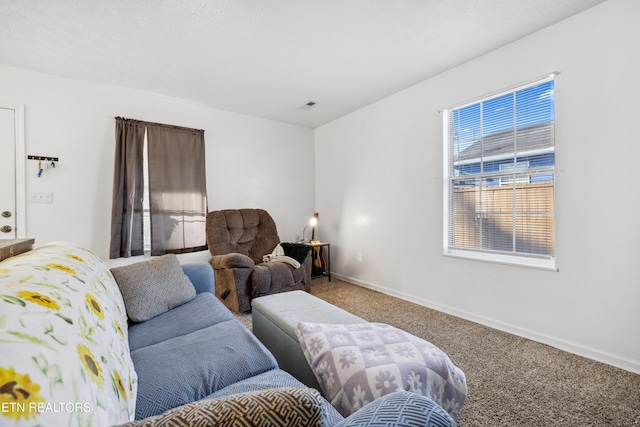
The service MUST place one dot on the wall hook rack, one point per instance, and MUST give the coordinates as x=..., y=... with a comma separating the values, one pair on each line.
x=47, y=158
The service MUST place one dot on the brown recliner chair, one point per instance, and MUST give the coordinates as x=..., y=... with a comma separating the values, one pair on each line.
x=237, y=240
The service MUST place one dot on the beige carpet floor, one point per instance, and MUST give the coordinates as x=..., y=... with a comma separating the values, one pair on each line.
x=511, y=381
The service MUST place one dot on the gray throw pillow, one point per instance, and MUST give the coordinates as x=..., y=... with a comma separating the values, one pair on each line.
x=153, y=287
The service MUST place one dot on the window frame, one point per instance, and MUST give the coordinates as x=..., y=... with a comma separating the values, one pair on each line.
x=545, y=262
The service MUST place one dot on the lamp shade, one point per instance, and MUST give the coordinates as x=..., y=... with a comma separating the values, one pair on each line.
x=313, y=221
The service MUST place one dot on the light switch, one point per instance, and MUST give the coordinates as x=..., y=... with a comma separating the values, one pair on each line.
x=41, y=197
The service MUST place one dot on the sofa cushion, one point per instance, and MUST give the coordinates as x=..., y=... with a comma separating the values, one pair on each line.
x=357, y=363
x=275, y=407
x=153, y=287
x=64, y=359
x=203, y=311
x=192, y=366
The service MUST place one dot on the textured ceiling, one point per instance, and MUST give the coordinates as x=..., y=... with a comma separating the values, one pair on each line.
x=265, y=58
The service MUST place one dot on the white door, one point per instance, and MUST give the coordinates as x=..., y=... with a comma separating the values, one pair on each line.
x=7, y=174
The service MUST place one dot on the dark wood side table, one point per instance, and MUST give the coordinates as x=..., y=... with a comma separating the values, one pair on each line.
x=11, y=247
x=320, y=266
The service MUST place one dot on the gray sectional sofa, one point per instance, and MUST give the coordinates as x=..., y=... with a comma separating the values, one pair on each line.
x=199, y=350
x=189, y=362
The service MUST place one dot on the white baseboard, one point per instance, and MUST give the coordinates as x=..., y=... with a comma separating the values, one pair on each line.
x=568, y=346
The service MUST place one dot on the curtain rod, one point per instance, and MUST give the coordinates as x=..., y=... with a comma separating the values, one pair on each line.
x=162, y=125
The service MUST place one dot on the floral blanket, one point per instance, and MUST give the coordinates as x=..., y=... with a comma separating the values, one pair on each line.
x=65, y=357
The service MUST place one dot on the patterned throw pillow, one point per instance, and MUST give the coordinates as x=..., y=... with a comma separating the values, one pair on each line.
x=153, y=287
x=275, y=407
x=358, y=363
x=400, y=408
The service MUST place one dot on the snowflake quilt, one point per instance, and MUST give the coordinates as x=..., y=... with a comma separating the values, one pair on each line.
x=358, y=363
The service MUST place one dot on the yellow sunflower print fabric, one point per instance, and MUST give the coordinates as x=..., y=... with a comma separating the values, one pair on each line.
x=64, y=352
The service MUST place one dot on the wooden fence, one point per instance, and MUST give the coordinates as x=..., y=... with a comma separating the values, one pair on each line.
x=484, y=218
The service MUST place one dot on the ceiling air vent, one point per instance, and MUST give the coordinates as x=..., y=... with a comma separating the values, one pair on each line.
x=308, y=105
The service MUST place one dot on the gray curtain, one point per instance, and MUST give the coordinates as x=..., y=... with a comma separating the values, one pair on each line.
x=177, y=189
x=128, y=188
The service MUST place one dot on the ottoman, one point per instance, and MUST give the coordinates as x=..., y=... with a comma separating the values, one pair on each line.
x=275, y=318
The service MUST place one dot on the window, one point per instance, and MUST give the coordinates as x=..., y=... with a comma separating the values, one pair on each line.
x=499, y=171
x=159, y=196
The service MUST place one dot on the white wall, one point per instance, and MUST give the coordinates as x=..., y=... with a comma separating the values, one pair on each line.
x=379, y=191
x=251, y=162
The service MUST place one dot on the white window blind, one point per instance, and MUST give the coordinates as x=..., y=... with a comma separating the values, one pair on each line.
x=499, y=175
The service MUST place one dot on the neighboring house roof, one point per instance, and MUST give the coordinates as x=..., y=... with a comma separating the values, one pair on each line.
x=531, y=139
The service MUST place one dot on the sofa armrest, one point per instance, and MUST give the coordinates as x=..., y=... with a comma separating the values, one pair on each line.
x=401, y=408
x=232, y=260
x=201, y=275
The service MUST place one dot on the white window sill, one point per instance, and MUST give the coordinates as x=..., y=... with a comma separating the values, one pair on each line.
x=548, y=264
